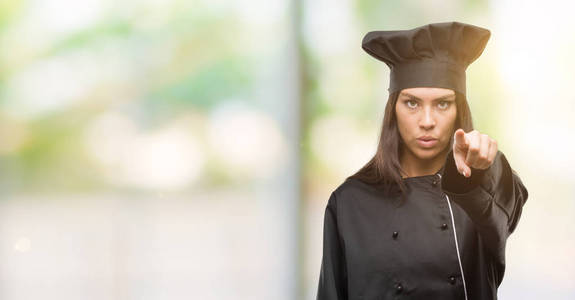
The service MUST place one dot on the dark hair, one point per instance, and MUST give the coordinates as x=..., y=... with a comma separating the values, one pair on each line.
x=384, y=169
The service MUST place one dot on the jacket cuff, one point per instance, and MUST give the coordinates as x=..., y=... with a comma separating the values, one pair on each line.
x=455, y=183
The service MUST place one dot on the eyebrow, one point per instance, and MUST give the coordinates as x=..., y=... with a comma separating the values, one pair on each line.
x=416, y=98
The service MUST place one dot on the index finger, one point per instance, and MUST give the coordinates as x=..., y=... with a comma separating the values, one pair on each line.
x=461, y=139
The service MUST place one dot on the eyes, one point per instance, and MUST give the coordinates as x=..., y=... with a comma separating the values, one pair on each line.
x=443, y=105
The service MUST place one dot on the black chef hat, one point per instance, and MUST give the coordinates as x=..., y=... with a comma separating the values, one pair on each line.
x=433, y=55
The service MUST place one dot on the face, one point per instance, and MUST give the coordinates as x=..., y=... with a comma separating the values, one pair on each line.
x=426, y=120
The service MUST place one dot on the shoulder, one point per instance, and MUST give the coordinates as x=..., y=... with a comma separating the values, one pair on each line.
x=352, y=189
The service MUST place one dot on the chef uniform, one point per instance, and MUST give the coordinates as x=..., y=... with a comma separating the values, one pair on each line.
x=445, y=238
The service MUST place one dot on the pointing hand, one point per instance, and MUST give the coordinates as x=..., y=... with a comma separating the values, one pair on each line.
x=473, y=150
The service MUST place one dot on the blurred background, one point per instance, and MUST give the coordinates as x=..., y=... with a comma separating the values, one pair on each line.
x=171, y=149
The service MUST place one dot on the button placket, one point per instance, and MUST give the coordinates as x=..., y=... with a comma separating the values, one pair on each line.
x=436, y=179
x=398, y=287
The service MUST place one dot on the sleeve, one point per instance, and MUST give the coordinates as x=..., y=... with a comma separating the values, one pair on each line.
x=333, y=273
x=493, y=199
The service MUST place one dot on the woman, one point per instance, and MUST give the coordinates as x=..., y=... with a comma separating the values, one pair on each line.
x=428, y=217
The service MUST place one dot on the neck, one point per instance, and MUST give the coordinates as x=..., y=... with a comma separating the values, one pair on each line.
x=414, y=166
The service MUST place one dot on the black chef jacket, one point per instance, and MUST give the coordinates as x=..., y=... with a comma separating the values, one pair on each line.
x=446, y=241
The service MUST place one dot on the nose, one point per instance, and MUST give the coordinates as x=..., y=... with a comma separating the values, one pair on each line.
x=427, y=121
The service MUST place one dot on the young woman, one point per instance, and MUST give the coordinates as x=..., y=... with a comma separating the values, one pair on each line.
x=429, y=215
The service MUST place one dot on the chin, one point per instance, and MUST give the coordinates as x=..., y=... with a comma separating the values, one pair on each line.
x=426, y=153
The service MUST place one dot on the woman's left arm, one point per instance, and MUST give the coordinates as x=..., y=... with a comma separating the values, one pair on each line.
x=493, y=198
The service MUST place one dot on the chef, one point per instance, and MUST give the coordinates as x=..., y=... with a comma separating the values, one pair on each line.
x=429, y=215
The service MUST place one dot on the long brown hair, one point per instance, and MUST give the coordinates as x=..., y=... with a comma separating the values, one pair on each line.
x=384, y=169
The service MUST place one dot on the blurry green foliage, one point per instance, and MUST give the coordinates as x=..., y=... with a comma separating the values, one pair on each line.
x=53, y=159
x=9, y=10
x=91, y=35
x=203, y=88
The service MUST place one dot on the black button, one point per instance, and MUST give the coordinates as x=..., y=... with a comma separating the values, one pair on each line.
x=398, y=288
x=443, y=226
x=436, y=179
x=395, y=234
x=452, y=279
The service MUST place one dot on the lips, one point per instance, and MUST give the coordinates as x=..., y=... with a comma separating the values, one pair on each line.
x=427, y=142
x=425, y=138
